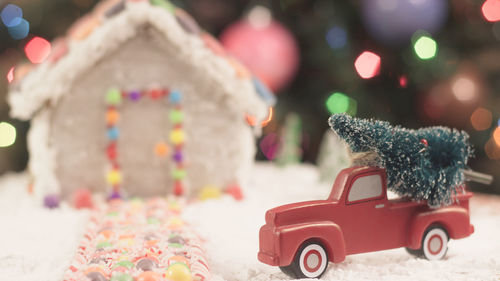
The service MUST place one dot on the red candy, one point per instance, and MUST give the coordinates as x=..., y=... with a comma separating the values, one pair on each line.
x=82, y=198
x=235, y=191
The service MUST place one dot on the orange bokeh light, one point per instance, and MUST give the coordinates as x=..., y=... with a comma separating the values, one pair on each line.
x=251, y=120
x=481, y=119
x=492, y=150
x=367, y=65
x=496, y=136
x=37, y=49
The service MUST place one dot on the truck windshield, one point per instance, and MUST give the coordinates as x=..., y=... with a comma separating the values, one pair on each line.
x=338, y=187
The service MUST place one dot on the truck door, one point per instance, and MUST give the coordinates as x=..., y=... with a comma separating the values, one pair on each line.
x=366, y=203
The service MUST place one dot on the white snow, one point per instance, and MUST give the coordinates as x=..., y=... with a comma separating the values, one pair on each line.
x=38, y=244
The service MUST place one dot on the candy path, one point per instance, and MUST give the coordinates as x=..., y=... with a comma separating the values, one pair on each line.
x=144, y=240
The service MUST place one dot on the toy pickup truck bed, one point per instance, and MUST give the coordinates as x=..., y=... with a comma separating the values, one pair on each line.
x=357, y=217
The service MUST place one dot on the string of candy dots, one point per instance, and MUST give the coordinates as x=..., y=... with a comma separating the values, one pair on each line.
x=114, y=99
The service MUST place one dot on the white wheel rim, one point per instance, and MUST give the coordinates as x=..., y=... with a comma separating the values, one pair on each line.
x=435, y=244
x=313, y=260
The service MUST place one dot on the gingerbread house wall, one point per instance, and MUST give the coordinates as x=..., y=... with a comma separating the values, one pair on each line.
x=70, y=153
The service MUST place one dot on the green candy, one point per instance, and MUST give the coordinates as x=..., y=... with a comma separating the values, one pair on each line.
x=125, y=263
x=112, y=214
x=164, y=4
x=178, y=174
x=122, y=277
x=103, y=244
x=175, y=245
x=176, y=116
x=153, y=220
x=113, y=97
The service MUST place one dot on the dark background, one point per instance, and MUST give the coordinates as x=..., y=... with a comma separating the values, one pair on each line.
x=468, y=45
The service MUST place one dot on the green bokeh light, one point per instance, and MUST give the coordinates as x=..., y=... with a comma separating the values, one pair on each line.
x=340, y=103
x=425, y=47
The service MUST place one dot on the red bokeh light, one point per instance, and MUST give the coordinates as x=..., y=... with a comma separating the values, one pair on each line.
x=491, y=10
x=367, y=65
x=37, y=49
x=403, y=81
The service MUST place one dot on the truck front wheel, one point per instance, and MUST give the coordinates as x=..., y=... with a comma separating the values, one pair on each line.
x=311, y=261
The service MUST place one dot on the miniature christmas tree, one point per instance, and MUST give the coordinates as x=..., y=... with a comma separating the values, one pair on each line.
x=332, y=156
x=290, y=151
x=424, y=164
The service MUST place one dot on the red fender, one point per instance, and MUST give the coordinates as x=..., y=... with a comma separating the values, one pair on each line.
x=455, y=220
x=291, y=237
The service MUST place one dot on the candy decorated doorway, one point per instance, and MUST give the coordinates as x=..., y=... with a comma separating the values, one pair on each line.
x=132, y=122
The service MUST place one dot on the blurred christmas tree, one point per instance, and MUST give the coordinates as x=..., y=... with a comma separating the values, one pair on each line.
x=332, y=157
x=290, y=151
x=413, y=63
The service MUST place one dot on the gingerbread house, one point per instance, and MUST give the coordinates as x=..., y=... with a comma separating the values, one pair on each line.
x=137, y=99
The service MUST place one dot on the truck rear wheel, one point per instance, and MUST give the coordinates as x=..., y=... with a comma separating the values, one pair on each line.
x=311, y=261
x=434, y=244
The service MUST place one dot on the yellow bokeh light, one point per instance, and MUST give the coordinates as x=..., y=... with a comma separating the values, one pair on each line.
x=7, y=134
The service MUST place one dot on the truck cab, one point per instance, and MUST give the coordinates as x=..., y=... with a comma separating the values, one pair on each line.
x=357, y=217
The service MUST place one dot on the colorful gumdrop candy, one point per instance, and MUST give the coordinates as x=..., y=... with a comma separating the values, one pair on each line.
x=235, y=191
x=122, y=277
x=176, y=239
x=178, y=272
x=82, y=198
x=149, y=276
x=96, y=276
x=51, y=201
x=146, y=264
x=125, y=264
x=178, y=259
x=209, y=192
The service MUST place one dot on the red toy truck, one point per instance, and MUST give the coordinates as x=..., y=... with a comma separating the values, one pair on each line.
x=357, y=217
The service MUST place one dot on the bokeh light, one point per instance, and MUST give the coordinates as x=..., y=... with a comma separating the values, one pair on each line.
x=481, y=119
x=11, y=15
x=496, y=136
x=464, y=89
x=260, y=17
x=7, y=134
x=403, y=81
x=341, y=103
x=20, y=31
x=269, y=117
x=492, y=150
x=367, y=65
x=252, y=121
x=269, y=145
x=37, y=49
x=491, y=10
x=336, y=37
x=425, y=47
x=10, y=75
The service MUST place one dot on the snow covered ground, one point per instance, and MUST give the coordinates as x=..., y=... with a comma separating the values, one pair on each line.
x=38, y=244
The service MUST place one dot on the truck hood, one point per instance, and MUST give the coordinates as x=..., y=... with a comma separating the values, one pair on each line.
x=300, y=212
